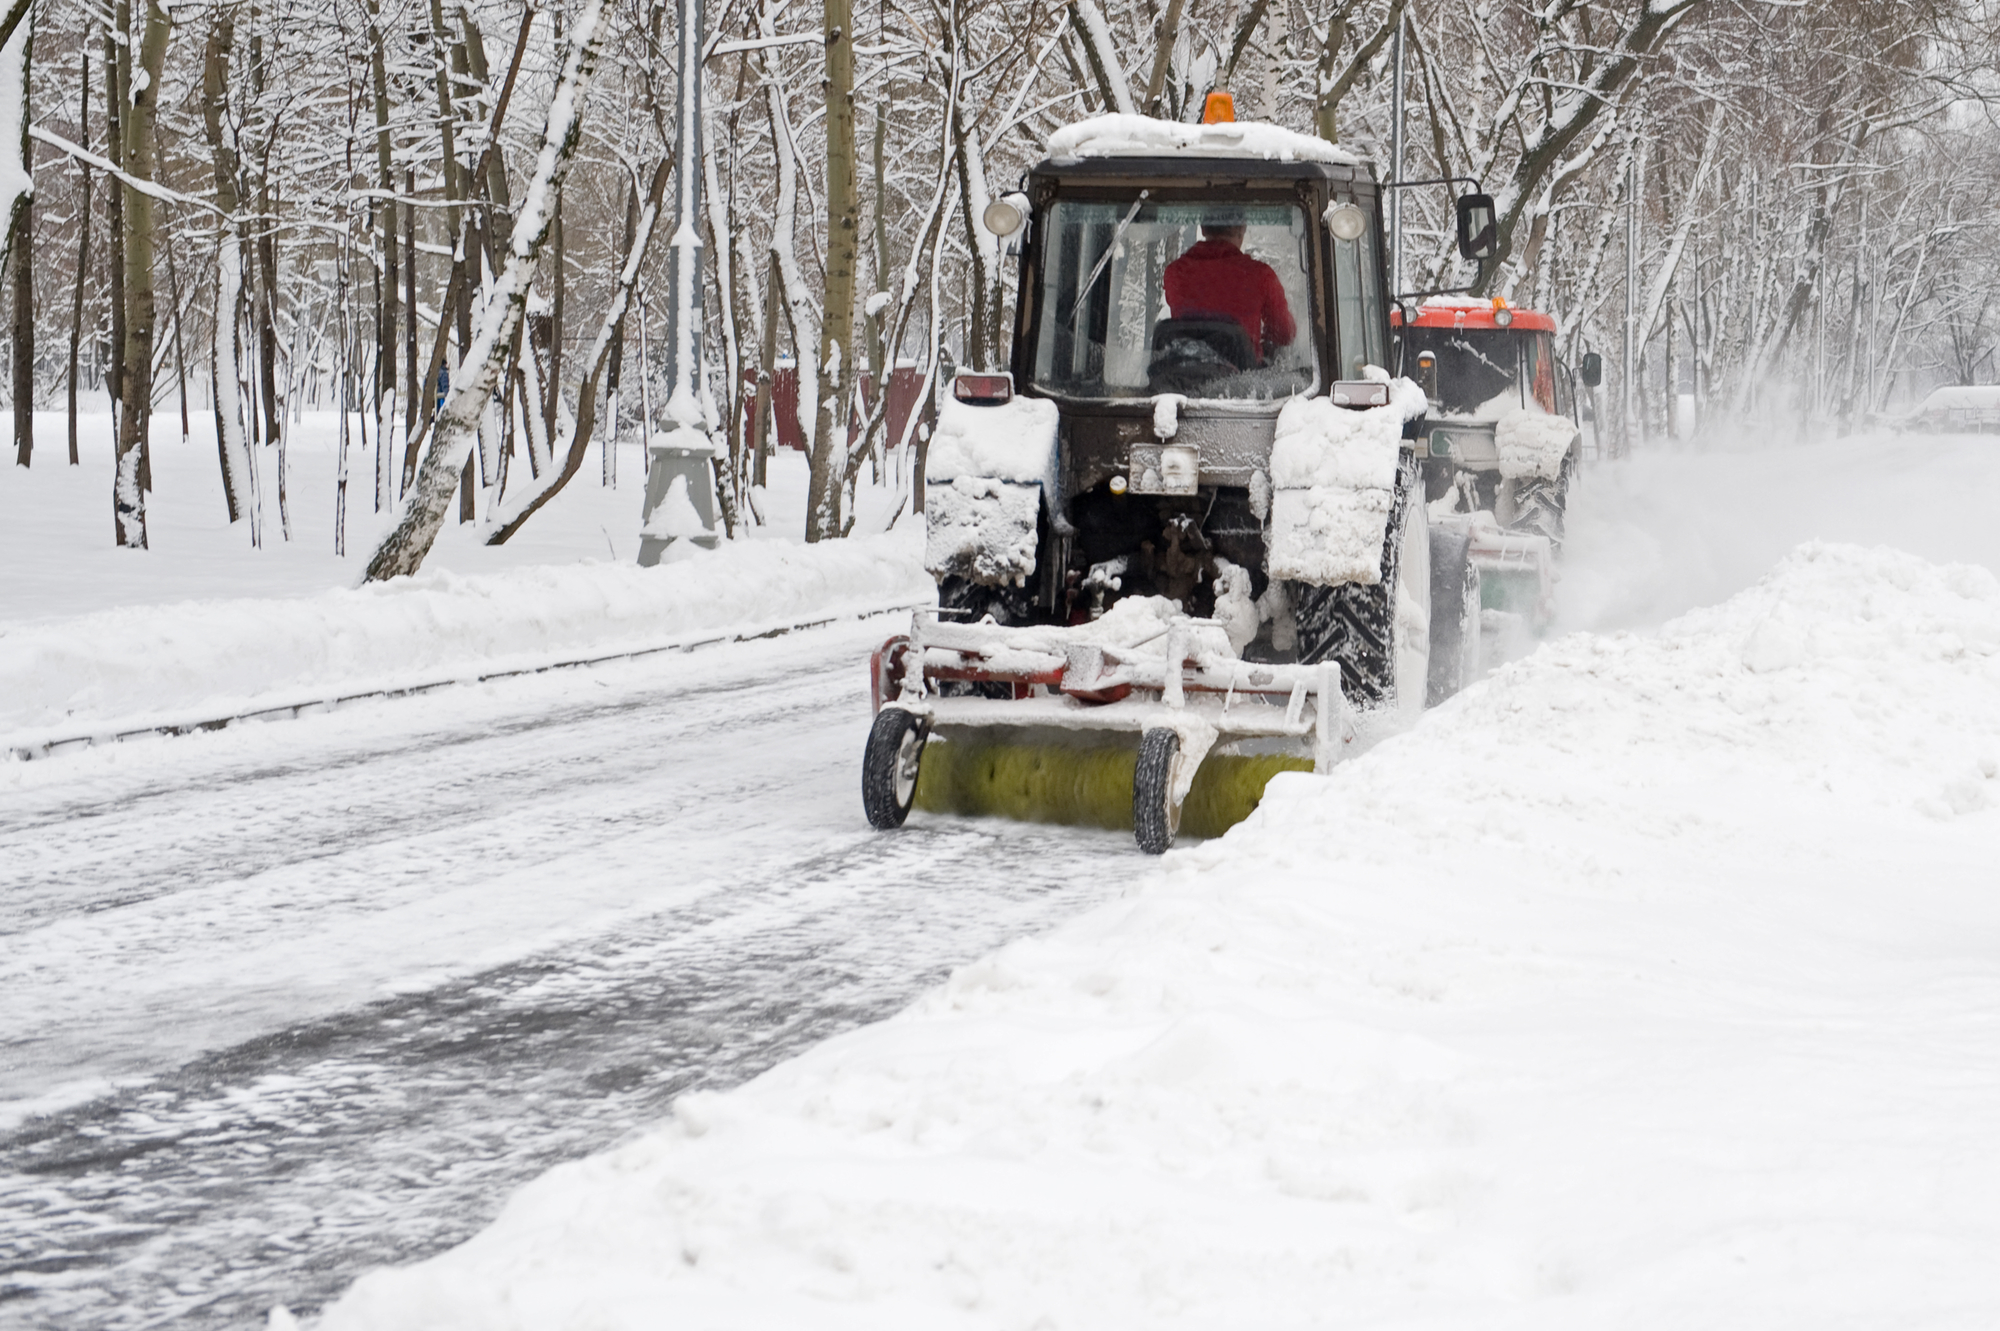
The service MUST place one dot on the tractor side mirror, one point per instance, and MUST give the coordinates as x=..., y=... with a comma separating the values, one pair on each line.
x=1478, y=227
x=1593, y=369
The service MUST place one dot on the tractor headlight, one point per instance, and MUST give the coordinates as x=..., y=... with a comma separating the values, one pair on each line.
x=1346, y=221
x=1004, y=216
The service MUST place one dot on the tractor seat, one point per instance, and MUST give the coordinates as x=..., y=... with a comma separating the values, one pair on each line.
x=1190, y=352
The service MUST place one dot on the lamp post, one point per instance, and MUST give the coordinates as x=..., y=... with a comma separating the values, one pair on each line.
x=1396, y=167
x=680, y=480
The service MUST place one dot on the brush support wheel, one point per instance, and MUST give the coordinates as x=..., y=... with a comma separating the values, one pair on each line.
x=889, y=766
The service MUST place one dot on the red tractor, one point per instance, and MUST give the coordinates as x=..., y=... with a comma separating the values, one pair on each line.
x=1503, y=423
x=1502, y=441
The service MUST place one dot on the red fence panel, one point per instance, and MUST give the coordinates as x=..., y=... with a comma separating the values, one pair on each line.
x=905, y=391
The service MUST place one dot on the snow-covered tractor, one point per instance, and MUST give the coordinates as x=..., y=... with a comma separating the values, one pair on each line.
x=1502, y=442
x=1184, y=542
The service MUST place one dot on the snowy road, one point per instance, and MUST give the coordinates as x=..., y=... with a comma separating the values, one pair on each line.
x=312, y=997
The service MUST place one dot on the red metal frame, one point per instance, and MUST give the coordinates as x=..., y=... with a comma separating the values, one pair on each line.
x=885, y=671
x=1476, y=316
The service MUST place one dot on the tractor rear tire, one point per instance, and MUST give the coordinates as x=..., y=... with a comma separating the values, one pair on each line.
x=1156, y=816
x=889, y=767
x=1383, y=656
x=1455, y=654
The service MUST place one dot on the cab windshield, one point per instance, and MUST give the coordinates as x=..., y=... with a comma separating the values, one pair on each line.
x=1208, y=300
x=1474, y=365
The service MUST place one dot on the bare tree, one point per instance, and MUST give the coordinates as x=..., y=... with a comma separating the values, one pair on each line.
x=402, y=551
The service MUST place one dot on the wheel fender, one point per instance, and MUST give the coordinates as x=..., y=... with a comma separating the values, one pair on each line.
x=983, y=530
x=989, y=472
x=885, y=671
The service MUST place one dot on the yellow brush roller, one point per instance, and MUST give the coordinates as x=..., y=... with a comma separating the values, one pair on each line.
x=1083, y=787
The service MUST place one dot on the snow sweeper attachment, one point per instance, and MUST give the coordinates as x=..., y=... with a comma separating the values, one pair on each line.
x=1145, y=718
x=1182, y=544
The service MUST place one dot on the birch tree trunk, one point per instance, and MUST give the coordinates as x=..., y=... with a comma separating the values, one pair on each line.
x=17, y=201
x=128, y=497
x=1101, y=54
x=117, y=66
x=232, y=447
x=425, y=505
x=837, y=358
x=512, y=513
x=21, y=260
x=264, y=248
x=800, y=319
x=82, y=246
x=894, y=318
x=384, y=395
x=987, y=292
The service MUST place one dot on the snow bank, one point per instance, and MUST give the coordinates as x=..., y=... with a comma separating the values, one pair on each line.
x=1142, y=136
x=1333, y=473
x=1655, y=535
x=1648, y=984
x=212, y=658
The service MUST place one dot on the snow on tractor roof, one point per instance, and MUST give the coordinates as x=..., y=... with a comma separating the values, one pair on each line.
x=1472, y=312
x=1143, y=136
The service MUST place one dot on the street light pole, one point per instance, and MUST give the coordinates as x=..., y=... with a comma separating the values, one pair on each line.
x=681, y=474
x=684, y=252
x=1396, y=168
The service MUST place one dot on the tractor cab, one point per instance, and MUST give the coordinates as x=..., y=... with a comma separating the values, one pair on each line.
x=1467, y=353
x=1179, y=286
x=1206, y=289
x=1503, y=430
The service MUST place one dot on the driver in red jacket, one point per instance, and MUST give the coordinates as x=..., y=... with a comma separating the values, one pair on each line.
x=1215, y=279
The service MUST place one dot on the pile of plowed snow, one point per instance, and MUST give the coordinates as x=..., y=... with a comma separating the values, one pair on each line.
x=1650, y=983
x=1661, y=532
x=200, y=659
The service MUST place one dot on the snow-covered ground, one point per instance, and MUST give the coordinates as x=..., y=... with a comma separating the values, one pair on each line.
x=1650, y=983
x=56, y=535
x=285, y=1002
x=199, y=627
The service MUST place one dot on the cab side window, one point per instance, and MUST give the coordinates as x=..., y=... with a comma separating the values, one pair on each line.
x=1541, y=367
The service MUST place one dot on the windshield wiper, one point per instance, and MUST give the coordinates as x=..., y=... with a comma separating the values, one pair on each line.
x=1083, y=292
